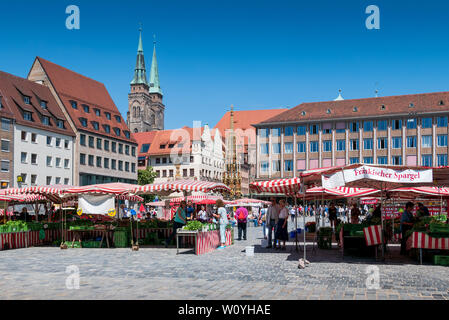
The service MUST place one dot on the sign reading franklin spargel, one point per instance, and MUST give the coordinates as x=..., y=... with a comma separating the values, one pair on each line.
x=340, y=178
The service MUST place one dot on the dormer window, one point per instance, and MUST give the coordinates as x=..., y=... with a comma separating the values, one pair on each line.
x=162, y=146
x=44, y=104
x=107, y=128
x=171, y=146
x=83, y=122
x=328, y=111
x=355, y=109
x=118, y=119
x=382, y=107
x=74, y=104
x=1, y=106
x=86, y=108
x=127, y=135
x=27, y=116
x=97, y=112
x=60, y=124
x=411, y=105
x=96, y=125
x=46, y=120
x=303, y=113
x=441, y=103
x=117, y=132
x=26, y=99
x=108, y=115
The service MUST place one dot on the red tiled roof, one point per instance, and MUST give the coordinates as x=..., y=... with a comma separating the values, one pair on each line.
x=405, y=104
x=13, y=89
x=72, y=86
x=165, y=137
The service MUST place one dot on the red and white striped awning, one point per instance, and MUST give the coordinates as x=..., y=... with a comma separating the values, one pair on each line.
x=344, y=192
x=428, y=191
x=284, y=186
x=116, y=188
x=129, y=197
x=22, y=198
x=156, y=204
x=53, y=193
x=182, y=185
x=197, y=198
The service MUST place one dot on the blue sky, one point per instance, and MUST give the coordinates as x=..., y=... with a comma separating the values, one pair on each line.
x=253, y=54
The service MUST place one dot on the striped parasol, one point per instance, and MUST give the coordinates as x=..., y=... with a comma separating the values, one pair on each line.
x=116, y=188
x=343, y=191
x=181, y=186
x=285, y=186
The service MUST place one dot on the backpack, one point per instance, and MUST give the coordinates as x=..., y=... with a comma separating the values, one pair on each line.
x=241, y=216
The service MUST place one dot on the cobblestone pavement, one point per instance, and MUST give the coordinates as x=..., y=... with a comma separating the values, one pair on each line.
x=158, y=273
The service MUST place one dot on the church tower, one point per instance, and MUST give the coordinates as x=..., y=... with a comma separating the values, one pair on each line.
x=145, y=107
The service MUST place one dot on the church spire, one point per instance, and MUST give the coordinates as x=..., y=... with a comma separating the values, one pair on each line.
x=155, y=86
x=140, y=73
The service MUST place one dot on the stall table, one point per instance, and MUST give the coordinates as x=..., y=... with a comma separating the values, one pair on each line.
x=204, y=241
x=78, y=234
x=421, y=240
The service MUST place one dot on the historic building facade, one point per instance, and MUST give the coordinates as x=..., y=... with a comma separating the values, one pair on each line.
x=186, y=153
x=145, y=107
x=104, y=150
x=37, y=141
x=396, y=130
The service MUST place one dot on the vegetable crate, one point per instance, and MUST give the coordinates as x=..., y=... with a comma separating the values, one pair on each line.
x=121, y=239
x=441, y=260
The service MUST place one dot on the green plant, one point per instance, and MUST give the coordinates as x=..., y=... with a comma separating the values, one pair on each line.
x=194, y=225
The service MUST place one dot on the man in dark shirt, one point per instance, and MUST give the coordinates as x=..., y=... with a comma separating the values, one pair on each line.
x=423, y=211
x=190, y=211
x=406, y=224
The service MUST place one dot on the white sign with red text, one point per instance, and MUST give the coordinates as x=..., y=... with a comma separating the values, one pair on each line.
x=339, y=179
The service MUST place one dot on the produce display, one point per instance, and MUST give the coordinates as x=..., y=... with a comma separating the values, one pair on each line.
x=432, y=226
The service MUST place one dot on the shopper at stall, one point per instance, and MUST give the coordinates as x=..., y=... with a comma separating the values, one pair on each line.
x=422, y=211
x=179, y=221
x=202, y=214
x=271, y=220
x=242, y=219
x=222, y=217
x=333, y=215
x=190, y=211
x=355, y=213
x=263, y=219
x=281, y=230
x=406, y=224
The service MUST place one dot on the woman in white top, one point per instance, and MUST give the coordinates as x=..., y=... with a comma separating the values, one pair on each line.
x=281, y=231
x=222, y=217
x=202, y=214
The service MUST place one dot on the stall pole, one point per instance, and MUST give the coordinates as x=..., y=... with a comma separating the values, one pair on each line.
x=304, y=221
x=382, y=221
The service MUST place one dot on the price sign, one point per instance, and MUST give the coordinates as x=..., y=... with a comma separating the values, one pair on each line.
x=112, y=213
x=79, y=212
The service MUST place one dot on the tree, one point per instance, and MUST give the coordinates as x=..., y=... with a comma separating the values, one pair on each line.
x=144, y=177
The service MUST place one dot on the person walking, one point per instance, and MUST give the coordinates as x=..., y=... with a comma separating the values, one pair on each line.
x=222, y=217
x=333, y=215
x=271, y=220
x=179, y=222
x=242, y=219
x=281, y=230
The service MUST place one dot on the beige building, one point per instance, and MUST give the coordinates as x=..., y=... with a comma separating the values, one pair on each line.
x=397, y=130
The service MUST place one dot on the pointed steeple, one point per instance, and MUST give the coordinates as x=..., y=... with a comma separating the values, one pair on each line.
x=140, y=73
x=155, y=86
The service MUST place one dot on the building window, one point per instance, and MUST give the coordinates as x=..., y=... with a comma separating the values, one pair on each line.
x=74, y=104
x=396, y=160
x=411, y=124
x=368, y=126
x=120, y=148
x=97, y=112
x=60, y=124
x=264, y=148
x=82, y=159
x=127, y=150
x=164, y=173
x=353, y=160
x=127, y=134
x=133, y=167
x=158, y=174
x=275, y=132
x=86, y=108
x=397, y=142
x=114, y=164
x=426, y=160
x=127, y=166
x=382, y=125
x=133, y=151
x=368, y=160
x=58, y=142
x=33, y=179
x=49, y=140
x=301, y=147
x=288, y=131
x=24, y=136
x=327, y=128
x=91, y=142
x=33, y=158
x=96, y=125
x=108, y=115
x=442, y=140
x=82, y=139
x=288, y=147
x=66, y=181
x=58, y=162
x=27, y=116
x=99, y=143
x=442, y=122
x=91, y=160
x=118, y=119
x=263, y=133
x=5, y=165
x=48, y=180
x=264, y=166
x=327, y=146
x=49, y=161
x=442, y=160
x=276, y=165
x=120, y=165
x=341, y=145
x=276, y=148
x=382, y=160
x=83, y=122
x=114, y=146
x=288, y=165
x=192, y=172
x=99, y=162
x=145, y=148
x=158, y=160
x=106, y=145
x=368, y=144
x=426, y=123
x=301, y=130
x=397, y=124
x=426, y=141
x=354, y=127
x=313, y=146
x=411, y=142
x=5, y=145
x=45, y=121
x=382, y=143
x=23, y=157
x=314, y=128
x=164, y=160
x=26, y=99
x=66, y=163
x=354, y=143
x=66, y=144
x=5, y=124
x=107, y=128
x=117, y=132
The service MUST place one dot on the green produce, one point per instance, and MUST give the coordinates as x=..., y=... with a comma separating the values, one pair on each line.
x=194, y=225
